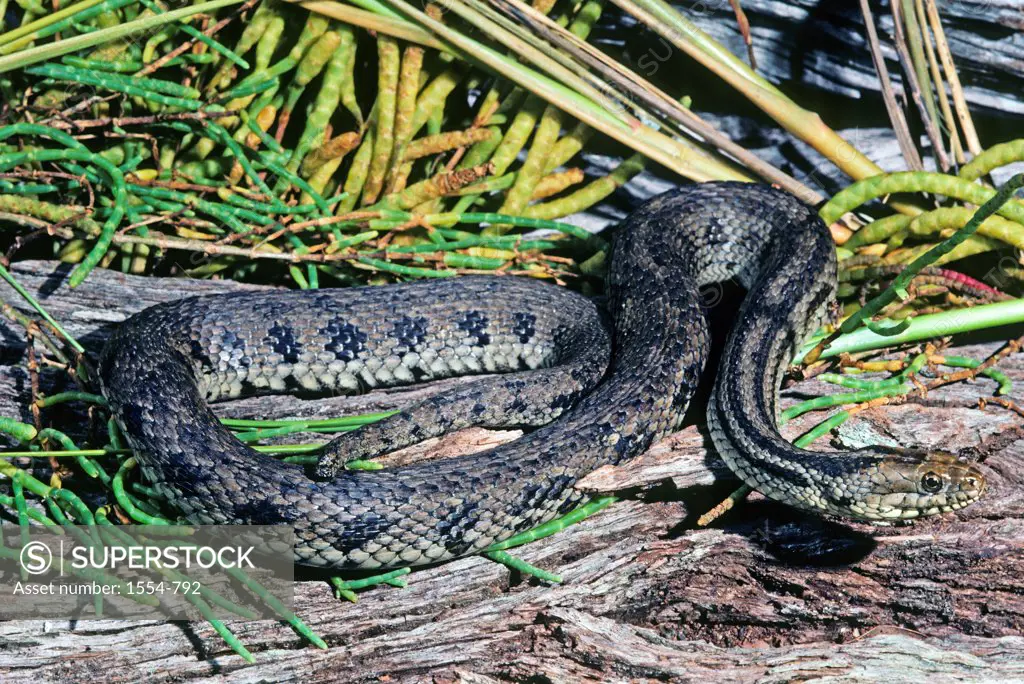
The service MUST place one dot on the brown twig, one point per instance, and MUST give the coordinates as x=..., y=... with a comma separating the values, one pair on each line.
x=33, y=373
x=959, y=101
x=187, y=45
x=1011, y=347
x=744, y=26
x=922, y=390
x=724, y=506
x=1000, y=401
x=38, y=173
x=65, y=115
x=303, y=225
x=171, y=185
x=122, y=121
x=896, y=115
x=916, y=88
x=956, y=147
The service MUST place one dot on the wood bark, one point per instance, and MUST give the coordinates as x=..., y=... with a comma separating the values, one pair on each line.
x=821, y=44
x=766, y=594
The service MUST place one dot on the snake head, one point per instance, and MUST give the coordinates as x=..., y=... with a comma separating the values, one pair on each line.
x=906, y=484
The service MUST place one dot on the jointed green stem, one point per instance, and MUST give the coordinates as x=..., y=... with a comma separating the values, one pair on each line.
x=821, y=429
x=6, y=275
x=346, y=589
x=992, y=158
x=64, y=397
x=125, y=501
x=116, y=178
x=916, y=181
x=549, y=528
x=519, y=565
x=996, y=202
x=840, y=399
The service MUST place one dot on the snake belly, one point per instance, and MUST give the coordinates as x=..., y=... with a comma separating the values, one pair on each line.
x=596, y=396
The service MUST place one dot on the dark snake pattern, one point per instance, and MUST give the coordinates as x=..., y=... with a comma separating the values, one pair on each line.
x=599, y=388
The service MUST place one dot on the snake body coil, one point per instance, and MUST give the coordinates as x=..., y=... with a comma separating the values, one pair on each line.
x=597, y=396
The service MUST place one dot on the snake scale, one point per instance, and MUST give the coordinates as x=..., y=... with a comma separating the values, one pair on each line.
x=598, y=386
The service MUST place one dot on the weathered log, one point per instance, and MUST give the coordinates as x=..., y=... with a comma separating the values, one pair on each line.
x=766, y=594
x=822, y=45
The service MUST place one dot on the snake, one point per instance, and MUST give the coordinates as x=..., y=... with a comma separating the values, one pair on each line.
x=592, y=381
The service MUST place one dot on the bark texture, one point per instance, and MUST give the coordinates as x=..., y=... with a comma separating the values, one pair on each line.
x=822, y=44
x=765, y=594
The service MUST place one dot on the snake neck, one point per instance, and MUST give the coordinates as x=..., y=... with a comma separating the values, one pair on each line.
x=790, y=284
x=697, y=236
x=778, y=249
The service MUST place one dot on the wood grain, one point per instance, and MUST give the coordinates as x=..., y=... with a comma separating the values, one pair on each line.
x=767, y=594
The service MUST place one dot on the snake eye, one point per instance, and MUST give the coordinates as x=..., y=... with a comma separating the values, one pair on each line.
x=931, y=482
